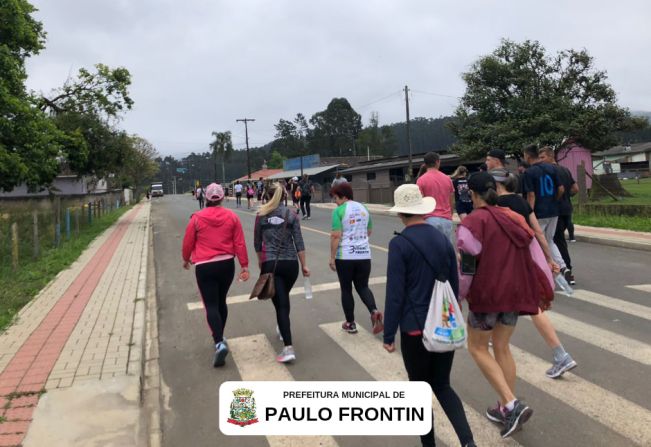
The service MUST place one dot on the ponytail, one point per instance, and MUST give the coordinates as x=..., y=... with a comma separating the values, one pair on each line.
x=275, y=195
x=490, y=196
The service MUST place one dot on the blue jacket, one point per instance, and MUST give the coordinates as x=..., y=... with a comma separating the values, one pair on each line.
x=410, y=280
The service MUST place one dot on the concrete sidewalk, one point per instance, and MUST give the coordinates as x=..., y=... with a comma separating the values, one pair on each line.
x=71, y=365
x=605, y=236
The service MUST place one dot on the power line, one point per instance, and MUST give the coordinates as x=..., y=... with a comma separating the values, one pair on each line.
x=435, y=94
x=397, y=93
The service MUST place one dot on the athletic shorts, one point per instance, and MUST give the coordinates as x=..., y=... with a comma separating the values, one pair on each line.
x=487, y=321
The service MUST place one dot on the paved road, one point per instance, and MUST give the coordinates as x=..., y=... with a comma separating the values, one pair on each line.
x=606, y=402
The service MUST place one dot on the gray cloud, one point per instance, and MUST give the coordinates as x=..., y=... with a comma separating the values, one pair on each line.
x=198, y=65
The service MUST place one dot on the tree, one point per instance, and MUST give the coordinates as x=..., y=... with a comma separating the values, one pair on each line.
x=29, y=142
x=140, y=165
x=222, y=147
x=335, y=129
x=520, y=95
x=291, y=136
x=376, y=139
x=276, y=160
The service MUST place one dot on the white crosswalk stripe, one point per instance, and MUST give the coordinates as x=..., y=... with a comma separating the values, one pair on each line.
x=610, y=341
x=379, y=364
x=620, y=415
x=641, y=287
x=256, y=360
x=324, y=287
x=627, y=307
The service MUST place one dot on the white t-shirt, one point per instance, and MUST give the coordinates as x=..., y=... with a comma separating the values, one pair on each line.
x=354, y=221
x=238, y=189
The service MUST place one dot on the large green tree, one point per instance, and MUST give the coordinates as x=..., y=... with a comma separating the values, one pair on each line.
x=375, y=139
x=222, y=148
x=335, y=129
x=29, y=142
x=520, y=95
x=140, y=165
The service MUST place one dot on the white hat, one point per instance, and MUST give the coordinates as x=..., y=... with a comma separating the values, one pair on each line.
x=409, y=200
x=294, y=178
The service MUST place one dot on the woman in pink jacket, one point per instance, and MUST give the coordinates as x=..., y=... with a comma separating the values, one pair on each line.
x=213, y=238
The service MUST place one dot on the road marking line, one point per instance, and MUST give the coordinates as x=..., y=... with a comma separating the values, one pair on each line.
x=255, y=359
x=641, y=287
x=295, y=291
x=618, y=414
x=367, y=351
x=637, y=310
x=610, y=341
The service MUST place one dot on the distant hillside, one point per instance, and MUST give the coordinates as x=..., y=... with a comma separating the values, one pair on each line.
x=427, y=134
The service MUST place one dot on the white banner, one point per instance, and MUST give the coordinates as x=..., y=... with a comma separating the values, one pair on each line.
x=325, y=408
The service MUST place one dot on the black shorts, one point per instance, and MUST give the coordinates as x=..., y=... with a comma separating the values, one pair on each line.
x=463, y=207
x=487, y=321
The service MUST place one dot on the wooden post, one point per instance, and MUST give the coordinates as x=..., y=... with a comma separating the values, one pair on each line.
x=77, y=218
x=14, y=245
x=68, y=223
x=35, y=233
x=583, y=191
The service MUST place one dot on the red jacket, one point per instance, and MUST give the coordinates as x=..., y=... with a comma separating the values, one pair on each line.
x=212, y=232
x=507, y=278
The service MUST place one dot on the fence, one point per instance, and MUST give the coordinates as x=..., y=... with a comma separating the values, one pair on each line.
x=28, y=227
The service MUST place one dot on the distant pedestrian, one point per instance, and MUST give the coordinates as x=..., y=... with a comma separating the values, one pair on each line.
x=350, y=255
x=295, y=192
x=437, y=185
x=338, y=180
x=462, y=201
x=238, y=194
x=259, y=187
x=509, y=278
x=213, y=238
x=306, y=188
x=250, y=193
x=200, y=196
x=278, y=242
x=417, y=257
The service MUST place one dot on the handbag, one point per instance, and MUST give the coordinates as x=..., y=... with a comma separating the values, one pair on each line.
x=264, y=287
x=444, y=329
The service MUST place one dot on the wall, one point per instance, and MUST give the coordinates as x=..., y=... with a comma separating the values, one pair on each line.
x=571, y=158
x=64, y=186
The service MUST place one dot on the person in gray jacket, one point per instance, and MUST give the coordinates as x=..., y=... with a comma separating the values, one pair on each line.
x=277, y=237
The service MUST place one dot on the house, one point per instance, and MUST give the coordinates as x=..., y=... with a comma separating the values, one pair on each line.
x=633, y=159
x=255, y=176
x=375, y=181
x=62, y=185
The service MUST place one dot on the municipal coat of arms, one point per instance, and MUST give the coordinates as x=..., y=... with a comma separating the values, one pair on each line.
x=243, y=408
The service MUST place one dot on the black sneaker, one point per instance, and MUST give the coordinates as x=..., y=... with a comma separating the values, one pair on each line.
x=569, y=277
x=514, y=419
x=351, y=328
x=221, y=351
x=495, y=414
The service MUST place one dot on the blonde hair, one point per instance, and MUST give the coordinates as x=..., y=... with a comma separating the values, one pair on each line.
x=275, y=195
x=461, y=170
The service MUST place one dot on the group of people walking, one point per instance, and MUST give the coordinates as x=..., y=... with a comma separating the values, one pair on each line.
x=505, y=244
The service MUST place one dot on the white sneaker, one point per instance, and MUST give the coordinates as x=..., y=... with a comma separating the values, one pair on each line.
x=286, y=355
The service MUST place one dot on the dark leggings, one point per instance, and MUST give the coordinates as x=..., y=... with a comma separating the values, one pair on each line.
x=305, y=205
x=354, y=271
x=559, y=239
x=214, y=279
x=570, y=228
x=284, y=279
x=434, y=368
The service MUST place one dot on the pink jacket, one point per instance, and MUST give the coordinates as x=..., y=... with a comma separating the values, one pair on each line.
x=214, y=231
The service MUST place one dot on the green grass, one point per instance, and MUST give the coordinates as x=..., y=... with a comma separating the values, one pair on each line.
x=622, y=222
x=641, y=193
x=18, y=288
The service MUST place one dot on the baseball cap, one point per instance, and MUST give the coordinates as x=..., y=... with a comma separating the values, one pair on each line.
x=481, y=182
x=497, y=153
x=214, y=192
x=499, y=174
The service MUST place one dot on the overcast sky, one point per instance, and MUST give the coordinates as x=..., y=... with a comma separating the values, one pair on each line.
x=198, y=65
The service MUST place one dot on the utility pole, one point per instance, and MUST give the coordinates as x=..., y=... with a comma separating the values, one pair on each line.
x=246, y=133
x=410, y=169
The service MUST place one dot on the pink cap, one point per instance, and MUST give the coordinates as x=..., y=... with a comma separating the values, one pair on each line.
x=214, y=192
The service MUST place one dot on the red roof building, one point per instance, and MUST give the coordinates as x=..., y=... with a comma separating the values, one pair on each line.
x=264, y=173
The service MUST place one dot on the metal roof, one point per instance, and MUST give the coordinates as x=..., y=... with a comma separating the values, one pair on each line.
x=297, y=172
x=635, y=148
x=416, y=161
